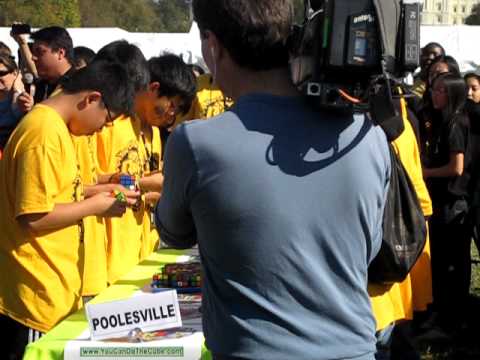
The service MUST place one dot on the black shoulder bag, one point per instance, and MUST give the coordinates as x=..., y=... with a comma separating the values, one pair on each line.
x=404, y=229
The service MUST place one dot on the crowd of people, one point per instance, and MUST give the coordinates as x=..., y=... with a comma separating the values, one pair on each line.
x=285, y=229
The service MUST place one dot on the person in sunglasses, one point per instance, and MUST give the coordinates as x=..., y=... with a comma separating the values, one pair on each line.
x=10, y=89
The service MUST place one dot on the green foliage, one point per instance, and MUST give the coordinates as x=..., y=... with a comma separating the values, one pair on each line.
x=40, y=13
x=131, y=15
x=474, y=17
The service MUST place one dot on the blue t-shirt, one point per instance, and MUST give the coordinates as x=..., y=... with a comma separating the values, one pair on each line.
x=286, y=205
x=9, y=118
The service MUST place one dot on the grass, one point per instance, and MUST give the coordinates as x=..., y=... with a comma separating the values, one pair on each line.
x=465, y=346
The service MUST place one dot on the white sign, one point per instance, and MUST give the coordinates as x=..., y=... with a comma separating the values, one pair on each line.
x=188, y=347
x=147, y=312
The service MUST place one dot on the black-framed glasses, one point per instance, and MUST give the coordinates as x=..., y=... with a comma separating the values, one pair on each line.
x=109, y=114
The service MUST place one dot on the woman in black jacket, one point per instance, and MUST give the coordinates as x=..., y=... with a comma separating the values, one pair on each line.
x=446, y=159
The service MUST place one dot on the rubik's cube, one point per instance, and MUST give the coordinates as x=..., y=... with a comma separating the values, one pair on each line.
x=120, y=196
x=178, y=276
x=128, y=182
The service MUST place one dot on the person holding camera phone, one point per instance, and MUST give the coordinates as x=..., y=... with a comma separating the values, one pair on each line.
x=285, y=202
x=50, y=59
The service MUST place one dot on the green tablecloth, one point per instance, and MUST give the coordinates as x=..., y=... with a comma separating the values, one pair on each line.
x=52, y=344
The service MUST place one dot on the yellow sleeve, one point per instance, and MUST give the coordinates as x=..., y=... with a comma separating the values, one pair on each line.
x=156, y=145
x=104, y=150
x=38, y=181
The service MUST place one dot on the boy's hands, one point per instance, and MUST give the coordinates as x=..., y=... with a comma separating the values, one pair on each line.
x=106, y=205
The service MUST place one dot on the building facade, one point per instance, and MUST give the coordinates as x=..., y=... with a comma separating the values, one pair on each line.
x=446, y=12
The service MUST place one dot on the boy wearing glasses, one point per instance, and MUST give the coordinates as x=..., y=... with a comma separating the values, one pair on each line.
x=42, y=204
x=132, y=146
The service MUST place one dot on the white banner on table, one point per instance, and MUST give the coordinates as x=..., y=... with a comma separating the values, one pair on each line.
x=145, y=311
x=187, y=347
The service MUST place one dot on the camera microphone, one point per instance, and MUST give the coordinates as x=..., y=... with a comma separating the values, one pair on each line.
x=28, y=79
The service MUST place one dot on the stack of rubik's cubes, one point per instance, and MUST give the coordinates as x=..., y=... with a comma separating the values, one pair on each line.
x=178, y=276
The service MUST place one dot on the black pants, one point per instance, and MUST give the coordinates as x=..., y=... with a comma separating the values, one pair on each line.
x=16, y=337
x=451, y=271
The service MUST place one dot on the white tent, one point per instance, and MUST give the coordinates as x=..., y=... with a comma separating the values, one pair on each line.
x=152, y=44
x=459, y=41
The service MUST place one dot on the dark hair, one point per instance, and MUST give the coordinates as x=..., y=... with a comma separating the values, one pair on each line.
x=8, y=61
x=471, y=75
x=432, y=45
x=110, y=79
x=82, y=53
x=255, y=32
x=4, y=49
x=451, y=63
x=56, y=38
x=175, y=78
x=197, y=68
x=129, y=56
x=457, y=94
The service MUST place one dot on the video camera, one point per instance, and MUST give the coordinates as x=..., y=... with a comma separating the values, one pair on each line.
x=347, y=53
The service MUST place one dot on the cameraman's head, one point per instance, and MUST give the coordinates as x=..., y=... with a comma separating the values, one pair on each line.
x=52, y=52
x=243, y=35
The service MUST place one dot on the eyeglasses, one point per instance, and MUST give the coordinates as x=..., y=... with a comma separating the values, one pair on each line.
x=109, y=114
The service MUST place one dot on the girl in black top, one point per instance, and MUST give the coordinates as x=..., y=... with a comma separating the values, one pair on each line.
x=446, y=158
x=473, y=110
x=424, y=108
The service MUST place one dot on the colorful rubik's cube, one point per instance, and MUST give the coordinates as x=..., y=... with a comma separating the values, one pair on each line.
x=178, y=276
x=128, y=182
x=120, y=196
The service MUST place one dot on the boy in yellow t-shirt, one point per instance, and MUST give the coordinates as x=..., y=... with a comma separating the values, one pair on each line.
x=208, y=102
x=42, y=205
x=397, y=302
x=131, y=145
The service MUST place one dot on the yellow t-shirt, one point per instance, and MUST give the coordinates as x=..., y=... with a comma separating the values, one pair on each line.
x=421, y=274
x=94, y=268
x=122, y=148
x=397, y=302
x=39, y=275
x=209, y=101
x=419, y=87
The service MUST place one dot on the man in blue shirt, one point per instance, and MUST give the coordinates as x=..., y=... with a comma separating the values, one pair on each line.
x=285, y=203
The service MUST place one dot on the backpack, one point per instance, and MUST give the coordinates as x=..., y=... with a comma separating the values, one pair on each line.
x=404, y=227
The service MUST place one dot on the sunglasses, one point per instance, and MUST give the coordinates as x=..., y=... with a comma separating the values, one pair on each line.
x=5, y=72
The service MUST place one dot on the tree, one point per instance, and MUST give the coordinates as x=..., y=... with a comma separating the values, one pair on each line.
x=131, y=15
x=137, y=15
x=40, y=13
x=173, y=15
x=474, y=17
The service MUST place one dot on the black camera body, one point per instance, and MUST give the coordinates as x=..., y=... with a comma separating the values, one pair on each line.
x=345, y=48
x=20, y=29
